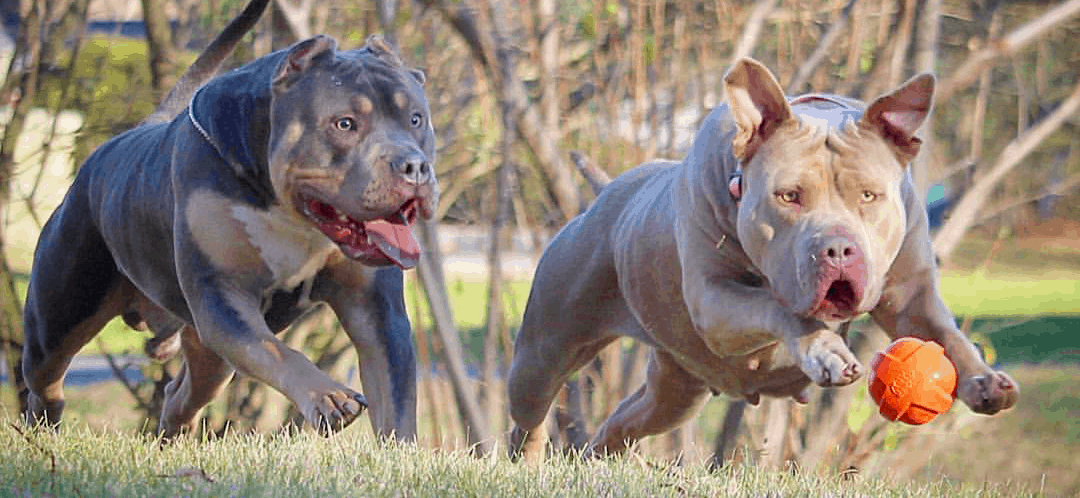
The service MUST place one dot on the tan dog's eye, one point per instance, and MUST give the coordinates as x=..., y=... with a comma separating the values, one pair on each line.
x=868, y=196
x=345, y=124
x=417, y=120
x=788, y=196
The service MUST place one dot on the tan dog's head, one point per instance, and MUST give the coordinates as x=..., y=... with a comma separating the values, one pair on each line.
x=821, y=212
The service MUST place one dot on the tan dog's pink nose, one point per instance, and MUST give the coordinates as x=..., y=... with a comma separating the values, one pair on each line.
x=841, y=252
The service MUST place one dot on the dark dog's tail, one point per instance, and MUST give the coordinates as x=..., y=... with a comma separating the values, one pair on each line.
x=594, y=176
x=208, y=63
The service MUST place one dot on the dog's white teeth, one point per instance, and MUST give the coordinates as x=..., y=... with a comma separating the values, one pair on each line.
x=342, y=218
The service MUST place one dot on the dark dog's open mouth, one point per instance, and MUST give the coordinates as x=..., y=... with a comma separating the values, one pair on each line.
x=839, y=302
x=379, y=241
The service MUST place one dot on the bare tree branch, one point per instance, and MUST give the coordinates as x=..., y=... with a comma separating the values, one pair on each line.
x=752, y=29
x=1005, y=46
x=297, y=16
x=1001, y=207
x=19, y=87
x=964, y=214
x=823, y=48
x=530, y=125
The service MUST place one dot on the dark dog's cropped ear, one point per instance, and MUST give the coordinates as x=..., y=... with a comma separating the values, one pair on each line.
x=300, y=58
x=418, y=75
x=757, y=104
x=898, y=115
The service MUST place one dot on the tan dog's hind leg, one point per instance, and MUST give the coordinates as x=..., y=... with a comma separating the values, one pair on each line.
x=669, y=396
x=539, y=370
x=188, y=393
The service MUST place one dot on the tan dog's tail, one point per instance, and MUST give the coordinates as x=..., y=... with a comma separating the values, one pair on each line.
x=594, y=176
x=208, y=63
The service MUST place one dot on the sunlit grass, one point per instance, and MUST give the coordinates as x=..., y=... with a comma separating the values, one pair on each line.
x=79, y=462
x=980, y=294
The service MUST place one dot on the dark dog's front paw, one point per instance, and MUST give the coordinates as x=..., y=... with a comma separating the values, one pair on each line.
x=988, y=394
x=828, y=361
x=335, y=410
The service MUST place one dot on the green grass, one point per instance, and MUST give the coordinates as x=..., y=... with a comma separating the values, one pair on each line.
x=1036, y=442
x=79, y=462
x=982, y=294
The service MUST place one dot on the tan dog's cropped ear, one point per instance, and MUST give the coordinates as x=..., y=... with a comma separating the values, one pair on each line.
x=757, y=104
x=898, y=115
x=300, y=57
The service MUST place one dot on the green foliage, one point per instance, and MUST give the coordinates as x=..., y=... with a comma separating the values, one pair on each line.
x=110, y=85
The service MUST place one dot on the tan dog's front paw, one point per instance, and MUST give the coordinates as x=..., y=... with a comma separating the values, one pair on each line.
x=828, y=361
x=988, y=394
x=332, y=411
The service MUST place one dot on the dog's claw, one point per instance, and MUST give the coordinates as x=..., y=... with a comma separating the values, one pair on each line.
x=828, y=361
x=335, y=411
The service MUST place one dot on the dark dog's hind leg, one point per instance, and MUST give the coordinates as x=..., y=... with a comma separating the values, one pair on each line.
x=201, y=378
x=75, y=290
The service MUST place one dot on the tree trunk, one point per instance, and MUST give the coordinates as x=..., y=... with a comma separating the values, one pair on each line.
x=297, y=17
x=926, y=42
x=752, y=29
x=159, y=43
x=430, y=273
x=496, y=316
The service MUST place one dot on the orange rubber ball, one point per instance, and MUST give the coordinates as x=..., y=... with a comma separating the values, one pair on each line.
x=912, y=381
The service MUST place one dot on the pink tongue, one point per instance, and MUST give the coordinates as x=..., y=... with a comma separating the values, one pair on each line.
x=395, y=241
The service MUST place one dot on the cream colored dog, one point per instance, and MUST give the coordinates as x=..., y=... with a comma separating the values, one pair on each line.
x=787, y=218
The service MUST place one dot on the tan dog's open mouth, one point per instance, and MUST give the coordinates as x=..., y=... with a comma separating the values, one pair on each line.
x=837, y=299
x=379, y=241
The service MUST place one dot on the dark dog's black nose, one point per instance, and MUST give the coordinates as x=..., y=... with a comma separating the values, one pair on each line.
x=413, y=167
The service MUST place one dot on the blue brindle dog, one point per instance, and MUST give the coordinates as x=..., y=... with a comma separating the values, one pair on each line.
x=285, y=183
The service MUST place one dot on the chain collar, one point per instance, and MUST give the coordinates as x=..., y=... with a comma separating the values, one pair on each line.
x=267, y=196
x=202, y=131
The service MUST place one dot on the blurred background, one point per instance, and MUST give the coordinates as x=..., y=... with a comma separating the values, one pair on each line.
x=515, y=88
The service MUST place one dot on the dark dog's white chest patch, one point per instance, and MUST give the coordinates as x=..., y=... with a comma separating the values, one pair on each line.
x=292, y=249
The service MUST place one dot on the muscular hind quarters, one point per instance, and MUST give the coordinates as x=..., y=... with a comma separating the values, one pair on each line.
x=539, y=370
x=668, y=397
x=55, y=332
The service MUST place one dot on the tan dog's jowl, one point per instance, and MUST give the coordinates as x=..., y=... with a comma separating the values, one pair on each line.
x=739, y=286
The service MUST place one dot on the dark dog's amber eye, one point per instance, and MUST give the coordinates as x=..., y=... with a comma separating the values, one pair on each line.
x=788, y=196
x=345, y=124
x=417, y=120
x=868, y=196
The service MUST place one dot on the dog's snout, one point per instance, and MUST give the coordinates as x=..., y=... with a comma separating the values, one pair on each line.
x=840, y=251
x=413, y=167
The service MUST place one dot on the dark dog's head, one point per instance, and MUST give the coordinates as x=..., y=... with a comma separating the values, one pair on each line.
x=352, y=148
x=822, y=214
